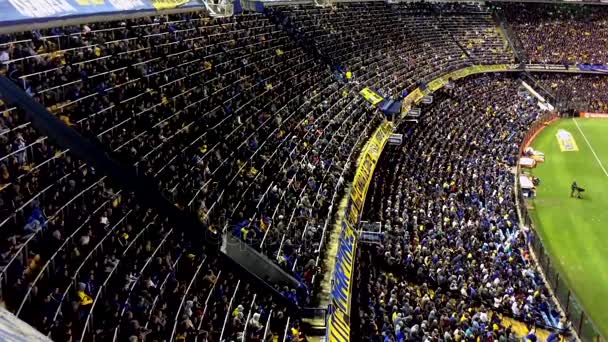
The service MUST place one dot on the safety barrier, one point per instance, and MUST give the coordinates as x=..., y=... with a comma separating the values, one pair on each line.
x=338, y=315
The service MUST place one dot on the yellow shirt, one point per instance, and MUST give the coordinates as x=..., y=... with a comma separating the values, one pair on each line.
x=85, y=299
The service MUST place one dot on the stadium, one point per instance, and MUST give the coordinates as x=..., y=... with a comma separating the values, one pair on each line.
x=310, y=170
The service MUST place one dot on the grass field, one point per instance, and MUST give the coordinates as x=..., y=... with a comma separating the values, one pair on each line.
x=575, y=232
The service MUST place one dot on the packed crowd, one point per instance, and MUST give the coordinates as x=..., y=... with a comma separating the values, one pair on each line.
x=86, y=261
x=243, y=104
x=588, y=93
x=210, y=106
x=233, y=120
x=454, y=254
x=250, y=125
x=560, y=33
x=403, y=43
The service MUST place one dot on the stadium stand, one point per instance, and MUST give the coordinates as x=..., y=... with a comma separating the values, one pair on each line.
x=549, y=31
x=579, y=92
x=253, y=124
x=82, y=259
x=454, y=257
x=139, y=88
x=59, y=210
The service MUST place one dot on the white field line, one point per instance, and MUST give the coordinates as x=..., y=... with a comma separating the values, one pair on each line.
x=590, y=147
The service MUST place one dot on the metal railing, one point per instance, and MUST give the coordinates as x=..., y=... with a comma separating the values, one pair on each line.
x=268, y=337
x=181, y=304
x=580, y=320
x=211, y=290
x=229, y=311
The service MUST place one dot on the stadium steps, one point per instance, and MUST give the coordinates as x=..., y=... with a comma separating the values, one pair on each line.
x=15, y=330
x=315, y=326
x=503, y=35
x=316, y=338
x=314, y=323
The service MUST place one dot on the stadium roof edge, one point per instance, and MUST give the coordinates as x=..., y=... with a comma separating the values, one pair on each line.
x=305, y=2
x=43, y=23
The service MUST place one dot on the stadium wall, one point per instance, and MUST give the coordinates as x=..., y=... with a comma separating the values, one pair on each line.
x=338, y=320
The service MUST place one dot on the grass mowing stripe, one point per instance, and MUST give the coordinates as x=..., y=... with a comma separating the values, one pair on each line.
x=590, y=147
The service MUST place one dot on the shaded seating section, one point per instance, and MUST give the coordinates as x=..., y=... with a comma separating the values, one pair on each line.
x=469, y=26
x=235, y=121
x=81, y=259
x=363, y=38
x=65, y=192
x=392, y=47
x=548, y=32
x=453, y=252
x=173, y=81
x=582, y=92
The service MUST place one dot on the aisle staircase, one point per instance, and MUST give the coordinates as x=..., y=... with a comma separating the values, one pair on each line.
x=507, y=33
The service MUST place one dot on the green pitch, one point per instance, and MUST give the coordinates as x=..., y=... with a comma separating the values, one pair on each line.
x=575, y=231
